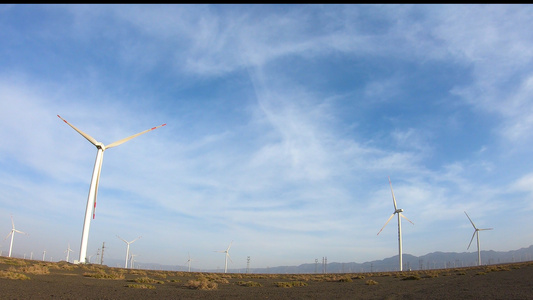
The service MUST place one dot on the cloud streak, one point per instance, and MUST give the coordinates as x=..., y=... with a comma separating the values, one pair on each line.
x=283, y=125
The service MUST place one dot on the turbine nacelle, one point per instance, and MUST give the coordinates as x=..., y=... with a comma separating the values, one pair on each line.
x=399, y=210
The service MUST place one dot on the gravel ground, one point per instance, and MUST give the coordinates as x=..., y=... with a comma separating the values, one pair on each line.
x=67, y=281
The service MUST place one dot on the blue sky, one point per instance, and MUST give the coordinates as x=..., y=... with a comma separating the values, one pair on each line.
x=283, y=124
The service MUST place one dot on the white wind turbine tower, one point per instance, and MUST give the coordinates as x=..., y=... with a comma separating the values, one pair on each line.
x=12, y=233
x=399, y=212
x=127, y=249
x=93, y=190
x=476, y=232
x=226, y=258
x=189, y=261
x=68, y=252
x=132, y=260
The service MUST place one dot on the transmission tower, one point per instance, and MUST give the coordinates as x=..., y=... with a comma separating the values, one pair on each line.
x=102, y=256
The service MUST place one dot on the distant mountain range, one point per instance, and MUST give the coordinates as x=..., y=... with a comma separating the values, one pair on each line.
x=434, y=260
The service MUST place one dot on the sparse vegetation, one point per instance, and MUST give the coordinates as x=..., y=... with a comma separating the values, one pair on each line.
x=140, y=286
x=138, y=272
x=202, y=285
x=35, y=269
x=371, y=282
x=249, y=283
x=147, y=280
x=101, y=274
x=290, y=284
x=345, y=279
x=13, y=275
x=411, y=277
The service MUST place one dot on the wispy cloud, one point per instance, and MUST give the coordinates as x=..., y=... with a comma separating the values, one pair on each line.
x=283, y=123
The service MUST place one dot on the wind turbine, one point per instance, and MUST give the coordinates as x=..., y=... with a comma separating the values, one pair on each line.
x=189, y=261
x=397, y=211
x=93, y=190
x=12, y=234
x=68, y=251
x=132, y=260
x=476, y=232
x=127, y=249
x=227, y=256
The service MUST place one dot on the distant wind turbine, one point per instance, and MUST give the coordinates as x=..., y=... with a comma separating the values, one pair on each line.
x=68, y=251
x=226, y=258
x=189, y=261
x=93, y=190
x=132, y=260
x=12, y=234
x=476, y=233
x=127, y=249
x=399, y=212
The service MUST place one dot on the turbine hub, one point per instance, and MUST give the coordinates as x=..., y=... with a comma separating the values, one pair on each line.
x=399, y=210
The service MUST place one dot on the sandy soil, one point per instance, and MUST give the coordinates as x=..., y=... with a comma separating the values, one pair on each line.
x=44, y=280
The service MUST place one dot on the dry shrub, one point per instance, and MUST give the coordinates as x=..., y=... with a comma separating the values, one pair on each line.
x=290, y=284
x=35, y=269
x=13, y=275
x=101, y=274
x=411, y=277
x=160, y=274
x=140, y=286
x=201, y=285
x=249, y=283
x=147, y=280
x=371, y=282
x=345, y=279
x=431, y=274
x=63, y=265
x=14, y=262
x=213, y=277
x=137, y=272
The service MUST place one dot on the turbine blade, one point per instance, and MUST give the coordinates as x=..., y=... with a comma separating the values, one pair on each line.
x=114, y=144
x=97, y=184
x=88, y=137
x=122, y=239
x=386, y=223
x=135, y=239
x=485, y=229
x=8, y=235
x=470, y=220
x=406, y=218
x=12, y=222
x=393, y=198
x=229, y=257
x=473, y=235
x=227, y=250
x=18, y=231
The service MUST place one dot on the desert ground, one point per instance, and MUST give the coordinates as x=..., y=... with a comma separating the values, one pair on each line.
x=31, y=279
